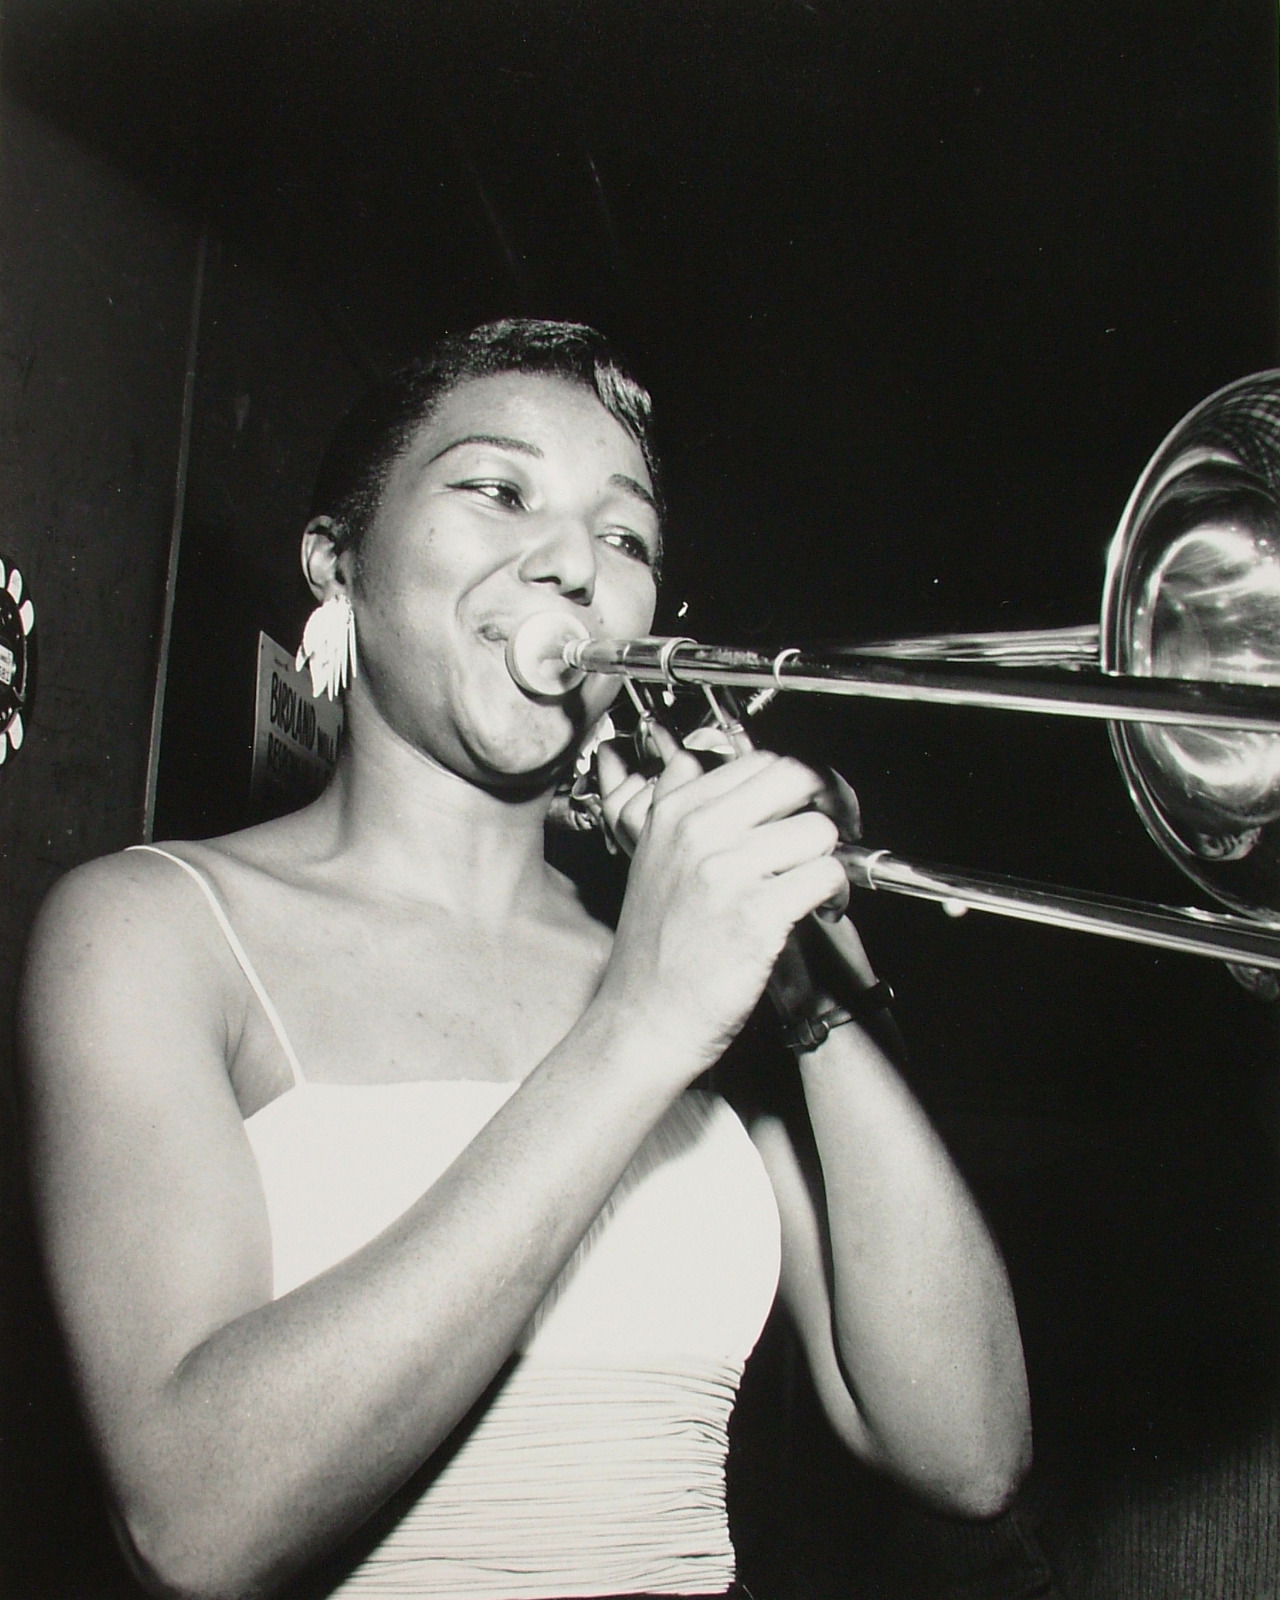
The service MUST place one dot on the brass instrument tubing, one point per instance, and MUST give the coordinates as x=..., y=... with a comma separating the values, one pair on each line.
x=1182, y=702
x=1189, y=930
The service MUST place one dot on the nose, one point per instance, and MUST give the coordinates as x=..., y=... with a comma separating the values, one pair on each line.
x=561, y=554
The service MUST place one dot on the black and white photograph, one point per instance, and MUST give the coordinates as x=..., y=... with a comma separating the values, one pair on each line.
x=639, y=729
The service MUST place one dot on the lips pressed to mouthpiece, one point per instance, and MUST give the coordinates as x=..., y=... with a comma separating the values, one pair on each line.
x=536, y=653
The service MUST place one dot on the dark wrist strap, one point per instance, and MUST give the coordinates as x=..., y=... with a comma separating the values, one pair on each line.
x=807, y=1033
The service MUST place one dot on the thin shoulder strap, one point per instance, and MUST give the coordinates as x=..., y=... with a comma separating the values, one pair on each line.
x=238, y=951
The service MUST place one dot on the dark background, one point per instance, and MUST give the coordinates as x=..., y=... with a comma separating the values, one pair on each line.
x=918, y=287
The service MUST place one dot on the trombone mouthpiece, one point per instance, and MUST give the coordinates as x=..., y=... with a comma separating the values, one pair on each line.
x=538, y=654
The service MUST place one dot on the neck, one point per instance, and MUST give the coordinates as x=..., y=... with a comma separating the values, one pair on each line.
x=421, y=832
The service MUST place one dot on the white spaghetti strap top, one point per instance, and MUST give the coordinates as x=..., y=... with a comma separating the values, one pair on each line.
x=239, y=952
x=598, y=1466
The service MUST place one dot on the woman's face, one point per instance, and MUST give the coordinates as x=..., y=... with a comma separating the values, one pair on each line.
x=521, y=494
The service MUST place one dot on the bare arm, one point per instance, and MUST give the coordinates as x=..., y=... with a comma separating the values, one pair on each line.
x=897, y=1290
x=242, y=1436
x=896, y=1287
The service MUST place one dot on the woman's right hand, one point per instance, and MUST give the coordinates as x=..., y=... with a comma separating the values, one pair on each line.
x=725, y=864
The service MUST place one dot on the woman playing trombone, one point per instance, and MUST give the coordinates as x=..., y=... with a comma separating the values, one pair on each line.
x=391, y=1241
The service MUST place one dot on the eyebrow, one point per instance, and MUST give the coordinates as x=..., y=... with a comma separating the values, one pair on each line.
x=522, y=446
x=621, y=481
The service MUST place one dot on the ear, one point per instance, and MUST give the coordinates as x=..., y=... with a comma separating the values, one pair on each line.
x=321, y=559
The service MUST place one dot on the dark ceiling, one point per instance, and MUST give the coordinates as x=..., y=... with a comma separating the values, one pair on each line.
x=923, y=280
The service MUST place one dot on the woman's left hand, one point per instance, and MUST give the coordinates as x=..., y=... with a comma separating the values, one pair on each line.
x=820, y=964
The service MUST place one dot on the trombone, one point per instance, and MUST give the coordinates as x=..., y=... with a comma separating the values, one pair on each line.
x=1183, y=666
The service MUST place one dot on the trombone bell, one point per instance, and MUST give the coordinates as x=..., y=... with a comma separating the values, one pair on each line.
x=1193, y=592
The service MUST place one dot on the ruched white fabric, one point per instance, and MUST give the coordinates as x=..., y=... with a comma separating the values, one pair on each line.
x=598, y=1466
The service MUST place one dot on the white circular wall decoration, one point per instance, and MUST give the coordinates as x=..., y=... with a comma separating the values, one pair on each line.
x=17, y=659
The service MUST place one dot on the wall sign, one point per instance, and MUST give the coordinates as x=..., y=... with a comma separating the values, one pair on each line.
x=295, y=736
x=17, y=659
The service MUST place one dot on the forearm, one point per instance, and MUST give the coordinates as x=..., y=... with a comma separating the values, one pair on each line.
x=284, y=1429
x=924, y=1323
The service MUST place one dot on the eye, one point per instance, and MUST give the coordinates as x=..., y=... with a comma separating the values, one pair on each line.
x=631, y=544
x=496, y=491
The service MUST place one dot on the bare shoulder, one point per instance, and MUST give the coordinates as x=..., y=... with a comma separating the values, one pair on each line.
x=122, y=946
x=147, y=896
x=117, y=907
x=141, y=1172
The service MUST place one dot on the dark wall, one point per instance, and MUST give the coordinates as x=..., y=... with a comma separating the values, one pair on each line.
x=919, y=287
x=97, y=284
x=95, y=294
x=272, y=380
x=98, y=292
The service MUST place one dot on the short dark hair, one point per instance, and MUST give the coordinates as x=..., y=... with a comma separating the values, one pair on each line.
x=379, y=428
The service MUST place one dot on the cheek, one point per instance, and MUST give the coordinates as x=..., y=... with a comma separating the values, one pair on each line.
x=631, y=605
x=402, y=599
x=418, y=555
x=647, y=609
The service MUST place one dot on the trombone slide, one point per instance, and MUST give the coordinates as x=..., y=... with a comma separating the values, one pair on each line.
x=1082, y=692
x=1186, y=929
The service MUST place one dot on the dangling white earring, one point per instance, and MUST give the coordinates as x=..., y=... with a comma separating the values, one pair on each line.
x=329, y=646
